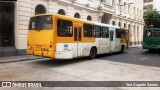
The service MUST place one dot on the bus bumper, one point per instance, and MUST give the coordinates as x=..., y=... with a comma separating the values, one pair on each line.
x=40, y=53
x=29, y=52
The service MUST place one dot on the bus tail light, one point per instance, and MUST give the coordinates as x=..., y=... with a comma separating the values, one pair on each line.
x=29, y=47
x=51, y=45
x=27, y=43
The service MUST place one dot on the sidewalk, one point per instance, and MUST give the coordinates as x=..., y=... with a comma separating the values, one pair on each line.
x=18, y=58
x=135, y=46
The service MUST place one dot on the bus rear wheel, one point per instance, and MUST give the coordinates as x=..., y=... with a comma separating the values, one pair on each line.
x=93, y=53
x=122, y=49
x=151, y=50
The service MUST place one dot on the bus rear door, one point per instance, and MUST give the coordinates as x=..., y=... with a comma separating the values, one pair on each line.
x=77, y=39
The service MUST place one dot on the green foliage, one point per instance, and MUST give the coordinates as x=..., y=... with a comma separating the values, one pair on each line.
x=152, y=17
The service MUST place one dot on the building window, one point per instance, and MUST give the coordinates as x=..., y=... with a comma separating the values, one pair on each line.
x=61, y=12
x=129, y=27
x=150, y=6
x=77, y=15
x=134, y=10
x=129, y=9
x=119, y=24
x=40, y=9
x=124, y=25
x=147, y=1
x=64, y=28
x=140, y=13
x=137, y=31
x=125, y=7
x=119, y=2
x=113, y=3
x=113, y=22
x=102, y=1
x=89, y=18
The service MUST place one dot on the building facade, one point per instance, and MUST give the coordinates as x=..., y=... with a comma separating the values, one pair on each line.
x=151, y=4
x=14, y=18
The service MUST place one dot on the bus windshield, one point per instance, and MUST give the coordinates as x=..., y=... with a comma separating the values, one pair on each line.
x=152, y=33
x=41, y=23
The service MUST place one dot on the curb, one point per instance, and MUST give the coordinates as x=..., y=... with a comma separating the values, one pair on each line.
x=137, y=46
x=17, y=59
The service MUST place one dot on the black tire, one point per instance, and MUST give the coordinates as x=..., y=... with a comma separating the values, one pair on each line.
x=122, y=49
x=151, y=50
x=93, y=53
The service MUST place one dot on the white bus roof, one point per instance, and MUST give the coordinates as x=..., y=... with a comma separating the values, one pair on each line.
x=107, y=25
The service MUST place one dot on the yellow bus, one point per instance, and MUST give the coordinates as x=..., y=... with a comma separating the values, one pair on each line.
x=62, y=37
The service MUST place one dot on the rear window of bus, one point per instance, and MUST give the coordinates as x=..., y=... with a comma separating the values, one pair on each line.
x=41, y=23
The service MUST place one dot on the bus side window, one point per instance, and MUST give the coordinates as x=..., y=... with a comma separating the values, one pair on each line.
x=119, y=33
x=87, y=30
x=105, y=32
x=64, y=28
x=111, y=35
x=97, y=31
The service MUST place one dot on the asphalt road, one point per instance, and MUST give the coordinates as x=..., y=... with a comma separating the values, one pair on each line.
x=136, y=56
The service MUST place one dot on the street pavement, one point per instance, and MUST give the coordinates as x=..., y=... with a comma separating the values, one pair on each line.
x=134, y=65
x=18, y=58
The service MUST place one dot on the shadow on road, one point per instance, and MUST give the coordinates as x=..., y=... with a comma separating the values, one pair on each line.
x=155, y=52
x=60, y=62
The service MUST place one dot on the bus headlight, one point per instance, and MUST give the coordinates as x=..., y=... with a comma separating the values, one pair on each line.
x=29, y=47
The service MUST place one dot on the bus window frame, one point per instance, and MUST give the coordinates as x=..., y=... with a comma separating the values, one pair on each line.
x=30, y=27
x=120, y=33
x=61, y=27
x=102, y=32
x=90, y=30
x=95, y=31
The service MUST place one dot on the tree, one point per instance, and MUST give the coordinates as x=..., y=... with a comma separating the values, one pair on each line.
x=152, y=18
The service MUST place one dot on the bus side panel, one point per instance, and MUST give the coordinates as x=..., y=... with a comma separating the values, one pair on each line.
x=64, y=51
x=118, y=45
x=103, y=45
x=86, y=47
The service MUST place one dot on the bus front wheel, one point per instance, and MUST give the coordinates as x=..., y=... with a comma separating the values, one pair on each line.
x=93, y=53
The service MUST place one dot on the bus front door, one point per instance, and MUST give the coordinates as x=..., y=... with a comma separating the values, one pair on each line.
x=112, y=41
x=77, y=41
